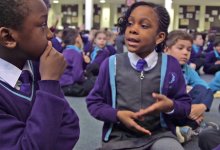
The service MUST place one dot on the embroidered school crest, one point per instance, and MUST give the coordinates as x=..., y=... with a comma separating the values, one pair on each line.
x=172, y=77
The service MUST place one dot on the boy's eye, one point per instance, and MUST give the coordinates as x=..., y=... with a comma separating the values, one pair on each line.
x=189, y=49
x=44, y=25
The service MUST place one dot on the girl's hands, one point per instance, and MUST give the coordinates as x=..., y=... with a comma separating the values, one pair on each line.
x=128, y=119
x=162, y=104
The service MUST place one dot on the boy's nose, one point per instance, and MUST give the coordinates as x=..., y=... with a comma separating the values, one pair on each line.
x=49, y=34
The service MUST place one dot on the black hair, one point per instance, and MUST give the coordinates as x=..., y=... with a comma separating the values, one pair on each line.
x=13, y=13
x=216, y=43
x=163, y=19
x=69, y=36
x=196, y=34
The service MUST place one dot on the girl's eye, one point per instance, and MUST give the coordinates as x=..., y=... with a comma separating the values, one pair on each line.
x=145, y=26
x=129, y=23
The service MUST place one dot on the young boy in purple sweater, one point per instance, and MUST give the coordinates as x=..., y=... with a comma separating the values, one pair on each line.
x=139, y=94
x=38, y=116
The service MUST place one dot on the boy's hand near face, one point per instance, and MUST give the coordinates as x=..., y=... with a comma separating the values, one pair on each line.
x=52, y=64
x=128, y=119
x=162, y=104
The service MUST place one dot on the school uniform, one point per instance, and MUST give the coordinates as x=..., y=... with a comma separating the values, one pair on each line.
x=201, y=92
x=74, y=70
x=210, y=46
x=215, y=82
x=210, y=67
x=41, y=119
x=56, y=43
x=196, y=56
x=97, y=56
x=133, y=91
x=73, y=80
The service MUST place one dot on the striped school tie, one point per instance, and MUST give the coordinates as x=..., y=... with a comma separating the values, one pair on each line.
x=25, y=79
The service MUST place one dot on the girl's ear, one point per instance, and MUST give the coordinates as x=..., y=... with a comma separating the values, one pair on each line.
x=7, y=38
x=160, y=37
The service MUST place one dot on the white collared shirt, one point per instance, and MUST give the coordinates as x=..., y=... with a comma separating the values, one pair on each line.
x=10, y=73
x=151, y=60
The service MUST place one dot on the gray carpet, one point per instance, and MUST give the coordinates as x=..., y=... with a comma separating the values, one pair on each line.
x=91, y=129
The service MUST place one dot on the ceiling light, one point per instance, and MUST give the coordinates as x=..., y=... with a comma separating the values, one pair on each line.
x=102, y=1
x=55, y=1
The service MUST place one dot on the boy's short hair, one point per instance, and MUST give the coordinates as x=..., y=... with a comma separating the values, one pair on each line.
x=69, y=36
x=13, y=13
x=217, y=43
x=196, y=34
x=176, y=35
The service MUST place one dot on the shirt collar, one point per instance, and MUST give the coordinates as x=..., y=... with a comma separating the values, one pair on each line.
x=151, y=60
x=10, y=73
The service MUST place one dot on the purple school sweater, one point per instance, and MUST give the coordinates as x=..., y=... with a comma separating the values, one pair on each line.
x=99, y=101
x=194, y=56
x=210, y=59
x=74, y=70
x=102, y=54
x=40, y=121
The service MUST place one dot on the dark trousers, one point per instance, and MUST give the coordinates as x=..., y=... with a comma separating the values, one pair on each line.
x=212, y=70
x=209, y=139
x=199, y=63
x=79, y=90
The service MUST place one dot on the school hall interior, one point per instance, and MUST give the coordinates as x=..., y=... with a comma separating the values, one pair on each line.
x=190, y=15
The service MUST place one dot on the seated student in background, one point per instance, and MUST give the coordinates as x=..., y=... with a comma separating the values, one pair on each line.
x=34, y=115
x=215, y=82
x=98, y=51
x=197, y=59
x=179, y=45
x=212, y=61
x=210, y=42
x=73, y=80
x=138, y=93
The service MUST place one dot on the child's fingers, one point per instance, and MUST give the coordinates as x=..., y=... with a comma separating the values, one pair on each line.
x=47, y=50
x=148, y=110
x=88, y=53
x=158, y=96
x=141, y=118
x=135, y=126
